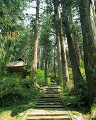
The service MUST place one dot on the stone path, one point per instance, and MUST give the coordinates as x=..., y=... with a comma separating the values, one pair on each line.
x=49, y=107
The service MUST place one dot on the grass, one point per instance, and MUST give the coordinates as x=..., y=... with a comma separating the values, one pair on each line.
x=14, y=112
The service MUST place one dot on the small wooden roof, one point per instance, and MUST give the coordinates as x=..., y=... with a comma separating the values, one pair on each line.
x=16, y=64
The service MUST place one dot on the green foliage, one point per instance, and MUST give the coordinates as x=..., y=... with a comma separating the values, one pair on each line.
x=82, y=91
x=72, y=102
x=40, y=77
x=15, y=89
x=49, y=83
x=70, y=73
x=13, y=34
x=46, y=42
x=82, y=69
x=51, y=75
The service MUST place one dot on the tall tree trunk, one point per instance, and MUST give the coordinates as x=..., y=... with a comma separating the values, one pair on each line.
x=76, y=46
x=58, y=23
x=65, y=73
x=59, y=59
x=40, y=59
x=54, y=63
x=77, y=77
x=35, y=42
x=74, y=36
x=89, y=49
x=93, y=19
x=46, y=63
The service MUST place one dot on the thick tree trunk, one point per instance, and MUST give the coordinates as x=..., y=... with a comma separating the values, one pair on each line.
x=74, y=36
x=76, y=46
x=59, y=60
x=46, y=63
x=77, y=77
x=40, y=58
x=59, y=31
x=34, y=68
x=89, y=49
x=93, y=19
x=54, y=63
x=65, y=73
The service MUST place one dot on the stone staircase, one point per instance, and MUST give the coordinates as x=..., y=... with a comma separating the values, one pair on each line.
x=49, y=107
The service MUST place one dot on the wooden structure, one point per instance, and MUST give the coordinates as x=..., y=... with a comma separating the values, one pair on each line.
x=18, y=67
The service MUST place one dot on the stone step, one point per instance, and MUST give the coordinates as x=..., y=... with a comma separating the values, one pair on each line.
x=49, y=118
x=49, y=106
x=59, y=101
x=49, y=103
x=51, y=95
x=51, y=87
x=50, y=99
x=52, y=80
x=52, y=83
x=51, y=92
x=48, y=113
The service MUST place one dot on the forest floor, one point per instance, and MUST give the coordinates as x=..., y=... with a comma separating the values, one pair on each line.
x=19, y=112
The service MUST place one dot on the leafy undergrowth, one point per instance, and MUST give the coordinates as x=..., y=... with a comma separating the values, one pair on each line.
x=17, y=96
x=15, y=109
x=76, y=107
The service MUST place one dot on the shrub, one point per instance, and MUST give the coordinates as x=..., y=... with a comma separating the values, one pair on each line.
x=15, y=89
x=51, y=75
x=40, y=77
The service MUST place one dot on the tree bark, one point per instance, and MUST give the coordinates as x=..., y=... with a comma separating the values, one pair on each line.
x=40, y=58
x=93, y=19
x=76, y=46
x=46, y=63
x=54, y=63
x=34, y=68
x=89, y=49
x=77, y=77
x=59, y=60
x=59, y=31
x=65, y=73
x=74, y=37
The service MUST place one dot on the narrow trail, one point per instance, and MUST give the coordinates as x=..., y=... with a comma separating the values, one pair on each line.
x=49, y=107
